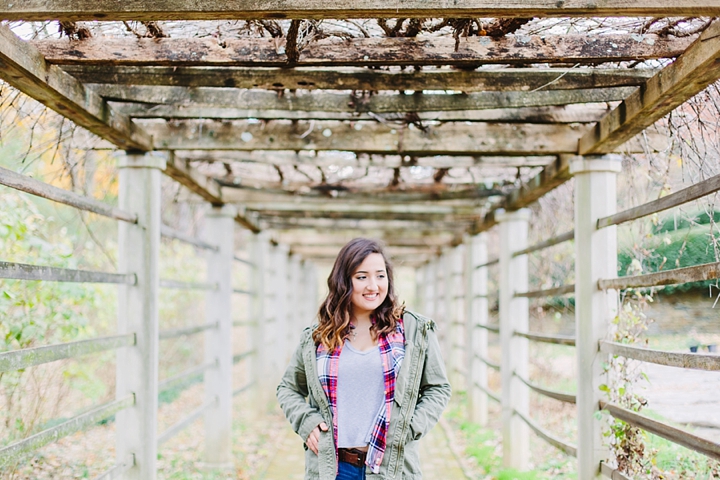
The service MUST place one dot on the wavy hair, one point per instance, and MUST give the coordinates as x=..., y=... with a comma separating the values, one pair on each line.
x=336, y=310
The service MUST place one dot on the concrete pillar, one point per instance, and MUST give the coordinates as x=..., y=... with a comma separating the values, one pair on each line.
x=514, y=317
x=296, y=302
x=476, y=304
x=443, y=304
x=595, y=258
x=430, y=289
x=277, y=294
x=420, y=304
x=220, y=231
x=137, y=367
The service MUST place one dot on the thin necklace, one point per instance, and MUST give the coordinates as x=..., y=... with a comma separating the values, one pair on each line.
x=353, y=331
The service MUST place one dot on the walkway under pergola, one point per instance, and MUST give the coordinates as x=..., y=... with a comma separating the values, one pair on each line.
x=423, y=124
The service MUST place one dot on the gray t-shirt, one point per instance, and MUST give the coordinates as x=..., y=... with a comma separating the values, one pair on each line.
x=360, y=395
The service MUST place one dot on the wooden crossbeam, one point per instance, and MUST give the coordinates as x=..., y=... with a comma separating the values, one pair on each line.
x=501, y=79
x=371, y=137
x=306, y=212
x=454, y=139
x=270, y=52
x=402, y=238
x=573, y=113
x=23, y=67
x=256, y=9
x=326, y=159
x=692, y=72
x=344, y=103
x=392, y=250
x=361, y=224
x=380, y=196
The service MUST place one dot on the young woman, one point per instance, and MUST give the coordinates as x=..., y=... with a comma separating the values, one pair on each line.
x=368, y=380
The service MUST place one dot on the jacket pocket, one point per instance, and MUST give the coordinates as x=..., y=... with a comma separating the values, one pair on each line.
x=311, y=465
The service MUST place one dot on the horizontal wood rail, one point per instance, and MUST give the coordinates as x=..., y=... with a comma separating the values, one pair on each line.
x=612, y=473
x=492, y=261
x=541, y=337
x=697, y=273
x=185, y=422
x=668, y=432
x=695, y=361
x=240, y=356
x=487, y=362
x=693, y=192
x=489, y=393
x=28, y=357
x=75, y=424
x=244, y=323
x=185, y=376
x=550, y=292
x=179, y=332
x=35, y=187
x=565, y=237
x=549, y=438
x=176, y=284
x=119, y=469
x=240, y=291
x=22, y=271
x=489, y=328
x=169, y=232
x=563, y=397
x=242, y=389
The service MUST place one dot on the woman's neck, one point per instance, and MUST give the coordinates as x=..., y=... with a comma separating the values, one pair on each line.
x=362, y=320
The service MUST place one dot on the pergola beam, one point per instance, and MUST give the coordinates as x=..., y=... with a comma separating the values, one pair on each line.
x=573, y=113
x=370, y=137
x=361, y=224
x=346, y=103
x=326, y=159
x=24, y=68
x=691, y=73
x=256, y=9
x=364, y=52
x=401, y=238
x=501, y=79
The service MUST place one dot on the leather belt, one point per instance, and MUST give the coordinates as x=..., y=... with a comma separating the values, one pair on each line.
x=352, y=456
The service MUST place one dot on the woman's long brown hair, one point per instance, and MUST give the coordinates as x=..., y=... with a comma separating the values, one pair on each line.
x=336, y=310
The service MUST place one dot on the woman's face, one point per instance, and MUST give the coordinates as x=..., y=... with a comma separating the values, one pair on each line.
x=370, y=285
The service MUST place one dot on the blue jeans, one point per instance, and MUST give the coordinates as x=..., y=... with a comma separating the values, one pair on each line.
x=347, y=471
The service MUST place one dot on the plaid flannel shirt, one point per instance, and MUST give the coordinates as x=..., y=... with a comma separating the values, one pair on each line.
x=392, y=352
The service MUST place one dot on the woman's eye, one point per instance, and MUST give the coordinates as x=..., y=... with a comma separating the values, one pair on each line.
x=361, y=277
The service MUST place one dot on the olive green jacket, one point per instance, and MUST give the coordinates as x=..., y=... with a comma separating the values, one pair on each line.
x=421, y=393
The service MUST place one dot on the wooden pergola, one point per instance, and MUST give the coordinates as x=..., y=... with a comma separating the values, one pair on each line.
x=422, y=123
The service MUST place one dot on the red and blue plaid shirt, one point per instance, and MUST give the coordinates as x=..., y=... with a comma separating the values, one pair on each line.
x=392, y=352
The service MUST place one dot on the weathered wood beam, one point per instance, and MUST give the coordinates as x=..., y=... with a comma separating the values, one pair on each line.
x=573, y=113
x=692, y=72
x=552, y=176
x=370, y=137
x=270, y=52
x=392, y=250
x=326, y=159
x=525, y=79
x=346, y=103
x=404, y=238
x=257, y=9
x=188, y=176
x=362, y=214
x=361, y=224
x=375, y=196
x=300, y=209
x=23, y=67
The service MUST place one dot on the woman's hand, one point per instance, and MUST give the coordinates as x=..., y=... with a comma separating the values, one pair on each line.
x=313, y=440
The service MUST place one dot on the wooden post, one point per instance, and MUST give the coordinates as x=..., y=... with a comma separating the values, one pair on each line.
x=514, y=317
x=595, y=258
x=137, y=367
x=258, y=363
x=476, y=304
x=220, y=223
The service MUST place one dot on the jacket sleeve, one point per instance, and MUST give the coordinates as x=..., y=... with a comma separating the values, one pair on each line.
x=434, y=392
x=292, y=393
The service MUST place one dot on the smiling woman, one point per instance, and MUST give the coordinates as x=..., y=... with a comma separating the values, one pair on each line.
x=361, y=370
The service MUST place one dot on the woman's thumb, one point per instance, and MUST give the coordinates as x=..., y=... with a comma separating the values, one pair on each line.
x=323, y=427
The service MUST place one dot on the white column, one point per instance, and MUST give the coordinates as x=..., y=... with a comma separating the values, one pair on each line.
x=258, y=362
x=476, y=304
x=430, y=289
x=420, y=303
x=219, y=231
x=295, y=299
x=137, y=367
x=595, y=258
x=457, y=312
x=444, y=306
x=514, y=317
x=280, y=324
